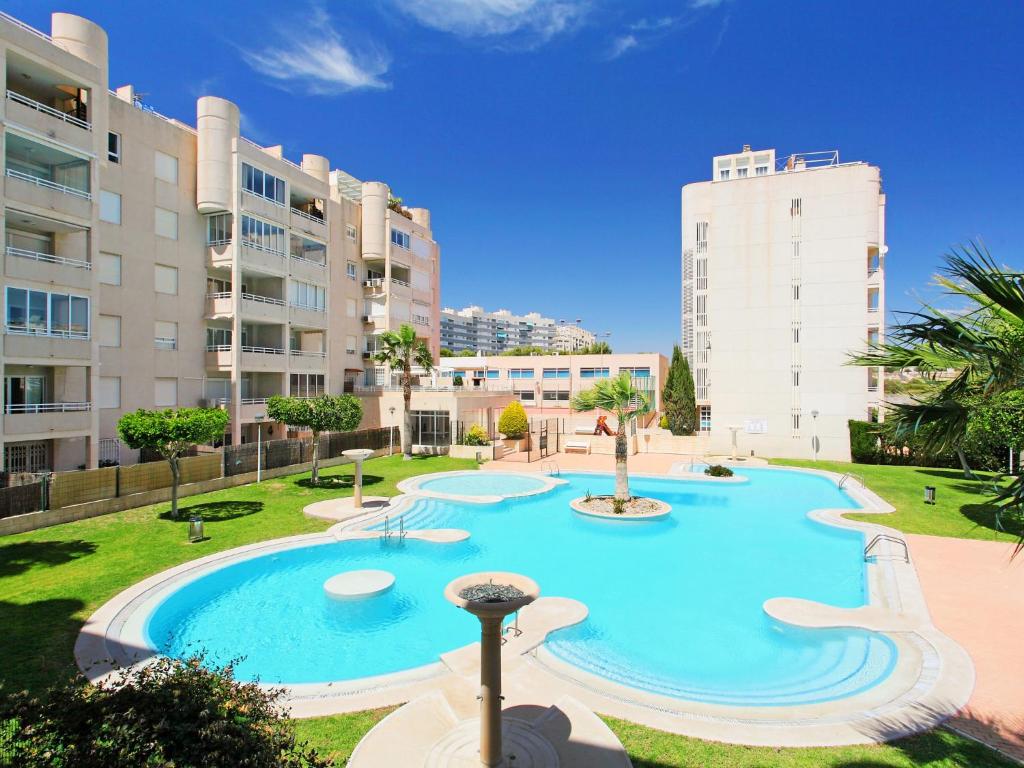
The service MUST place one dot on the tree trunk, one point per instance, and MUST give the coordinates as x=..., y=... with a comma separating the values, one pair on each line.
x=968, y=474
x=621, y=475
x=315, y=477
x=407, y=420
x=175, y=477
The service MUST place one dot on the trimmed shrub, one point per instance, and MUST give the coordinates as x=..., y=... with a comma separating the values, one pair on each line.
x=663, y=422
x=718, y=470
x=513, y=422
x=475, y=435
x=863, y=441
x=457, y=381
x=169, y=713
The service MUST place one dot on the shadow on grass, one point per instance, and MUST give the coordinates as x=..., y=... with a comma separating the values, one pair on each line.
x=216, y=511
x=37, y=641
x=18, y=558
x=984, y=516
x=338, y=482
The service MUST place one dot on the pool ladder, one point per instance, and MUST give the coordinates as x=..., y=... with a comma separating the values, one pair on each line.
x=512, y=629
x=841, y=483
x=388, y=532
x=551, y=469
x=892, y=540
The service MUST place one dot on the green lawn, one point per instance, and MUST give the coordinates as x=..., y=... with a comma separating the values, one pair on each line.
x=52, y=579
x=963, y=508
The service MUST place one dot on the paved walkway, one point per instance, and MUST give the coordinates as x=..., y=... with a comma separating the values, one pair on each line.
x=975, y=594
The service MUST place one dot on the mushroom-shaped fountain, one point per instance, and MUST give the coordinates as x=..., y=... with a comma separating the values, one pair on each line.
x=358, y=455
x=491, y=596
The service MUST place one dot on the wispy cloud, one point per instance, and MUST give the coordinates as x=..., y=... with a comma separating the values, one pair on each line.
x=707, y=3
x=317, y=59
x=522, y=22
x=644, y=31
x=621, y=45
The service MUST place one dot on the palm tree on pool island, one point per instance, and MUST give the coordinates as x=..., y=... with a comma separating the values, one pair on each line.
x=620, y=397
x=400, y=352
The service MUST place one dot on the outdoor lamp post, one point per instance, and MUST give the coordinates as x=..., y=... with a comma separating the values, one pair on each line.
x=259, y=445
x=391, y=431
x=814, y=435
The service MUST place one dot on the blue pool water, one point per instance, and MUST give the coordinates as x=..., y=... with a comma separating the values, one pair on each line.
x=483, y=484
x=675, y=604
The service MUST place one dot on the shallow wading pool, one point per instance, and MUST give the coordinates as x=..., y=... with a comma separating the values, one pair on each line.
x=675, y=604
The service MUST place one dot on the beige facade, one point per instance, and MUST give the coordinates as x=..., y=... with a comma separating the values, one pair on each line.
x=490, y=333
x=149, y=263
x=783, y=277
x=572, y=338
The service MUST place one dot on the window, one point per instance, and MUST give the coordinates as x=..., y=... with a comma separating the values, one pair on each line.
x=351, y=232
x=761, y=170
x=165, y=393
x=110, y=268
x=741, y=173
x=873, y=414
x=431, y=427
x=262, y=184
x=263, y=236
x=165, y=167
x=350, y=345
x=520, y=373
x=556, y=373
x=796, y=335
x=165, y=279
x=873, y=337
x=308, y=250
x=110, y=207
x=493, y=374
x=109, y=395
x=350, y=270
x=350, y=307
x=218, y=229
x=400, y=238
x=114, y=147
x=705, y=418
x=527, y=395
x=873, y=296
x=218, y=337
x=559, y=396
x=306, y=384
x=637, y=373
x=796, y=292
x=47, y=314
x=165, y=335
x=593, y=373
x=110, y=331
x=165, y=223
x=796, y=207
x=307, y=296
x=723, y=174
x=796, y=377
x=796, y=421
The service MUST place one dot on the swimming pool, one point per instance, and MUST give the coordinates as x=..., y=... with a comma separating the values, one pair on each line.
x=482, y=484
x=675, y=604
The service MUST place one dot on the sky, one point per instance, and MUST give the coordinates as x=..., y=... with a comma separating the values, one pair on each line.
x=550, y=138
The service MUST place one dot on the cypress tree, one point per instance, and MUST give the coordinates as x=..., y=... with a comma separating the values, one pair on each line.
x=678, y=396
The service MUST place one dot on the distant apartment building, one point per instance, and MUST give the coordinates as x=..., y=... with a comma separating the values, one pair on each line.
x=152, y=264
x=490, y=333
x=572, y=338
x=783, y=277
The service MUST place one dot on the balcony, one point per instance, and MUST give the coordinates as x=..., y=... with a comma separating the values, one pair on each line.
x=47, y=419
x=46, y=176
x=219, y=254
x=307, y=270
x=303, y=221
x=65, y=127
x=264, y=359
x=266, y=308
x=48, y=195
x=25, y=264
x=219, y=305
x=307, y=317
x=218, y=357
x=263, y=259
x=420, y=320
x=48, y=347
x=303, y=361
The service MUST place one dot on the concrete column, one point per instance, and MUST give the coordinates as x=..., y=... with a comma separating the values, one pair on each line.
x=490, y=691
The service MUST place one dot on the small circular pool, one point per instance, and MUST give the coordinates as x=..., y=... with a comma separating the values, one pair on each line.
x=483, y=484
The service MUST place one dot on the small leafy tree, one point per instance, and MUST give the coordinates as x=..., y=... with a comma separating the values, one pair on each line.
x=170, y=433
x=523, y=351
x=168, y=713
x=400, y=352
x=325, y=413
x=620, y=397
x=445, y=352
x=513, y=422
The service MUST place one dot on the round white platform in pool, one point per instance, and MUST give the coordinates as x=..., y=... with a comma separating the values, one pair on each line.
x=354, y=585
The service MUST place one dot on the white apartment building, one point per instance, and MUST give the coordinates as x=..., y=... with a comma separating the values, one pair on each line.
x=152, y=264
x=491, y=333
x=783, y=269
x=572, y=338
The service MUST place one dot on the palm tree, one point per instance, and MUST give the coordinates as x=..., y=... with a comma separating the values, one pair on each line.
x=983, y=343
x=401, y=351
x=620, y=397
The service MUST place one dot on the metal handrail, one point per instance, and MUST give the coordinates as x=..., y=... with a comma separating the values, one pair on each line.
x=49, y=258
x=841, y=483
x=264, y=299
x=46, y=408
x=307, y=307
x=25, y=331
x=22, y=25
x=892, y=540
x=218, y=347
x=40, y=107
x=305, y=215
x=14, y=174
x=306, y=353
x=265, y=249
x=550, y=468
x=254, y=400
x=309, y=261
x=260, y=196
x=222, y=241
x=219, y=295
x=263, y=350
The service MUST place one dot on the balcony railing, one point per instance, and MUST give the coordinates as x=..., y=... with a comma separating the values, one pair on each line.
x=304, y=215
x=47, y=407
x=20, y=330
x=254, y=400
x=307, y=353
x=220, y=241
x=218, y=347
x=48, y=258
x=265, y=249
x=421, y=320
x=309, y=261
x=163, y=342
x=263, y=299
x=307, y=307
x=46, y=183
x=39, y=107
x=263, y=350
x=219, y=295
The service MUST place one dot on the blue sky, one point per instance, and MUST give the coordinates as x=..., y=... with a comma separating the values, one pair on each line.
x=550, y=137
